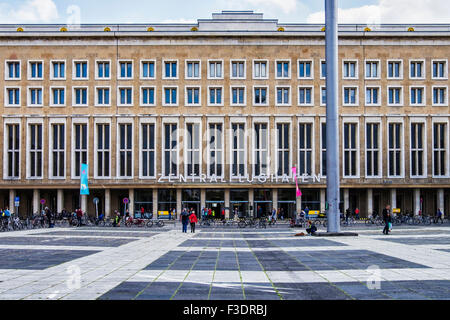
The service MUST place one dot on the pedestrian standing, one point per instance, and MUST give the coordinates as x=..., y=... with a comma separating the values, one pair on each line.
x=357, y=214
x=193, y=220
x=79, y=215
x=184, y=220
x=387, y=219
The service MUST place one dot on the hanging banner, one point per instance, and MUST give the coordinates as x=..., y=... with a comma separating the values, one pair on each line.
x=294, y=172
x=84, y=190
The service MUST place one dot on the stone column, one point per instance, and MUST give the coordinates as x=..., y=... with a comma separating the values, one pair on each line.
x=416, y=201
x=12, y=196
x=84, y=203
x=179, y=205
x=347, y=199
x=36, y=203
x=227, y=203
x=250, y=202
x=202, y=198
x=369, y=202
x=298, y=204
x=393, y=199
x=155, y=202
x=131, y=204
x=108, y=203
x=440, y=200
x=275, y=199
x=60, y=200
x=323, y=194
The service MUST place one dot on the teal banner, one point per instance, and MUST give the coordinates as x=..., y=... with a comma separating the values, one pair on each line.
x=84, y=189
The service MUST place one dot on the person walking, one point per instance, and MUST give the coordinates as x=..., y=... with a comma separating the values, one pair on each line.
x=348, y=214
x=48, y=214
x=439, y=216
x=193, y=220
x=307, y=213
x=387, y=219
x=357, y=214
x=184, y=220
x=79, y=215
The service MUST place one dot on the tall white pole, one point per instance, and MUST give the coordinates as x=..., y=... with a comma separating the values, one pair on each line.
x=331, y=50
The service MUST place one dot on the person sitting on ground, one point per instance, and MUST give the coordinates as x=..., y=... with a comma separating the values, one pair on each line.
x=311, y=228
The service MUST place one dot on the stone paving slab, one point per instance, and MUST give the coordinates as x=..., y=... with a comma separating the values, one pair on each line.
x=64, y=241
x=102, y=234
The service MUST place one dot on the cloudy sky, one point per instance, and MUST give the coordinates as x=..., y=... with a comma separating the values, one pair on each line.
x=287, y=11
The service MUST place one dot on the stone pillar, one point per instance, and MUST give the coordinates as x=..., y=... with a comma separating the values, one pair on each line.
x=60, y=200
x=347, y=200
x=36, y=203
x=416, y=201
x=440, y=200
x=131, y=203
x=84, y=203
x=250, y=202
x=298, y=204
x=179, y=208
x=369, y=202
x=12, y=196
x=323, y=197
x=393, y=199
x=155, y=203
x=202, y=198
x=275, y=199
x=227, y=203
x=108, y=203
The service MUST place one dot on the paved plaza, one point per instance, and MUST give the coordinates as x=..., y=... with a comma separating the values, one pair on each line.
x=224, y=264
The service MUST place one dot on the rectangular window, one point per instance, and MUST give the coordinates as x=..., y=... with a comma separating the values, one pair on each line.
x=440, y=70
x=416, y=69
x=323, y=96
x=417, y=96
x=372, y=149
x=440, y=96
x=261, y=150
x=215, y=96
x=417, y=149
x=80, y=70
x=193, y=70
x=215, y=147
x=170, y=96
x=215, y=70
x=323, y=69
x=12, y=97
x=323, y=149
x=305, y=148
x=148, y=96
x=80, y=96
x=103, y=97
x=372, y=70
x=170, y=70
x=395, y=70
x=103, y=150
x=350, y=95
x=305, y=70
x=80, y=147
x=350, y=70
x=13, y=151
x=58, y=151
x=148, y=150
x=36, y=70
x=170, y=150
x=125, y=96
x=395, y=96
x=260, y=96
x=35, y=151
x=237, y=69
x=395, y=138
x=193, y=96
x=305, y=96
x=13, y=70
x=125, y=70
x=125, y=165
x=103, y=70
x=193, y=145
x=58, y=70
x=283, y=96
x=238, y=150
x=350, y=150
x=35, y=97
x=440, y=149
x=58, y=96
x=238, y=96
x=283, y=70
x=148, y=70
x=283, y=149
x=372, y=96
x=260, y=70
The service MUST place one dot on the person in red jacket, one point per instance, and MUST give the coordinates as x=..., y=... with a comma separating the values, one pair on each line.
x=193, y=220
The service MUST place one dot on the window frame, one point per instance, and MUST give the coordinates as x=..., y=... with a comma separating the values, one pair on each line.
x=352, y=120
x=402, y=96
x=52, y=122
x=186, y=76
x=6, y=97
x=7, y=78
x=74, y=70
x=141, y=69
x=78, y=121
x=378, y=62
x=424, y=96
x=277, y=148
x=238, y=121
x=52, y=97
x=141, y=96
x=393, y=120
x=74, y=104
x=124, y=121
x=170, y=121
x=52, y=70
x=29, y=105
x=102, y=121
x=356, y=104
x=424, y=68
x=97, y=62
x=142, y=122
x=356, y=77
x=96, y=104
x=400, y=77
x=379, y=149
x=261, y=121
x=37, y=121
x=312, y=95
x=163, y=69
x=164, y=104
x=289, y=76
x=6, y=123
x=254, y=96
x=126, y=104
x=434, y=121
x=378, y=104
x=209, y=69
x=445, y=77
x=119, y=76
x=305, y=121
x=193, y=121
x=445, y=104
x=231, y=69
x=231, y=95
x=186, y=101
x=209, y=122
x=221, y=104
x=254, y=62
x=298, y=69
x=29, y=77
x=419, y=120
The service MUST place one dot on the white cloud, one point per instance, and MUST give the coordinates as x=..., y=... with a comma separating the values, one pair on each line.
x=392, y=11
x=258, y=5
x=32, y=11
